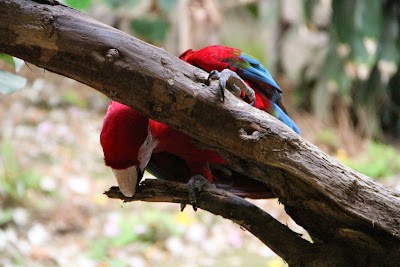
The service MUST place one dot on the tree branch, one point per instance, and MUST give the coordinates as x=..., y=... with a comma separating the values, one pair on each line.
x=286, y=243
x=335, y=204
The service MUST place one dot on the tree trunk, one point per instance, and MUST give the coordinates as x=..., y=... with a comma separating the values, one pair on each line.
x=352, y=219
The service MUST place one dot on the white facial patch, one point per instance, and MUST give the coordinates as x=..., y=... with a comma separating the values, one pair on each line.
x=146, y=150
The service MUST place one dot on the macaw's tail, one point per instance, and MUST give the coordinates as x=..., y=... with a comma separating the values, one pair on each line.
x=282, y=116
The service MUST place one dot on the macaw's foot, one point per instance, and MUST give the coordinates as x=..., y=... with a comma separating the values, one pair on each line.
x=196, y=184
x=230, y=80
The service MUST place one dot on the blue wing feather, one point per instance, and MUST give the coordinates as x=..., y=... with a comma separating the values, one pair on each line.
x=284, y=118
x=258, y=72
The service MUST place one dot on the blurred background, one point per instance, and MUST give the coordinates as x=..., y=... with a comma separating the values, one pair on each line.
x=336, y=61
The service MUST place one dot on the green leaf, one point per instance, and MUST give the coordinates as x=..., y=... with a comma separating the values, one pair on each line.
x=8, y=59
x=79, y=4
x=10, y=83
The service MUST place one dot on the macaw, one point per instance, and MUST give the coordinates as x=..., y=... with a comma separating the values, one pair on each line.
x=132, y=142
x=227, y=60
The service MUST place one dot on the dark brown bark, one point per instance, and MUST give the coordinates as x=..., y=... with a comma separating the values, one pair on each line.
x=220, y=202
x=339, y=207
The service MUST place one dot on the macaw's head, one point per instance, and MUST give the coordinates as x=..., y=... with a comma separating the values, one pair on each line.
x=123, y=133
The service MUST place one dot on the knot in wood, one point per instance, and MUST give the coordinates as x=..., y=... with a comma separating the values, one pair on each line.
x=113, y=94
x=55, y=26
x=254, y=135
x=112, y=55
x=164, y=61
x=47, y=18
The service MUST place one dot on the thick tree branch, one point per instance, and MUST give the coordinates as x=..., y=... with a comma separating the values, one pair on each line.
x=335, y=204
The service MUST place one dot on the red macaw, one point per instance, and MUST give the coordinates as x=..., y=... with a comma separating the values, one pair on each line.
x=173, y=155
x=228, y=61
x=132, y=142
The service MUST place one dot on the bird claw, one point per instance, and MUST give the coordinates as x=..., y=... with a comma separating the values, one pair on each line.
x=183, y=206
x=195, y=184
x=230, y=80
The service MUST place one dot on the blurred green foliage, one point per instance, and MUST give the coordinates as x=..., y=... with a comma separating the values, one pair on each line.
x=380, y=161
x=253, y=9
x=151, y=29
x=6, y=216
x=151, y=25
x=7, y=59
x=121, y=3
x=329, y=139
x=15, y=182
x=362, y=65
x=71, y=97
x=79, y=4
x=166, y=5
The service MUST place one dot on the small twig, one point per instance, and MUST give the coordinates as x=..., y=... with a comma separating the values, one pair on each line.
x=284, y=242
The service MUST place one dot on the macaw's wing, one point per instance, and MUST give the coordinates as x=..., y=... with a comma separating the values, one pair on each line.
x=250, y=69
x=170, y=167
x=166, y=166
x=254, y=71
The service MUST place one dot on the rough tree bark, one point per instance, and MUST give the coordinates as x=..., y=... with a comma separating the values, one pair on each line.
x=352, y=219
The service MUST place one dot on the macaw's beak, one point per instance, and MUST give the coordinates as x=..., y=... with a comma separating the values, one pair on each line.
x=128, y=179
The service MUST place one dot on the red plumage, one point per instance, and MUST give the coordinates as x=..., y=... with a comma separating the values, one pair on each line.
x=176, y=157
x=182, y=145
x=123, y=139
x=216, y=57
x=127, y=137
x=123, y=132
